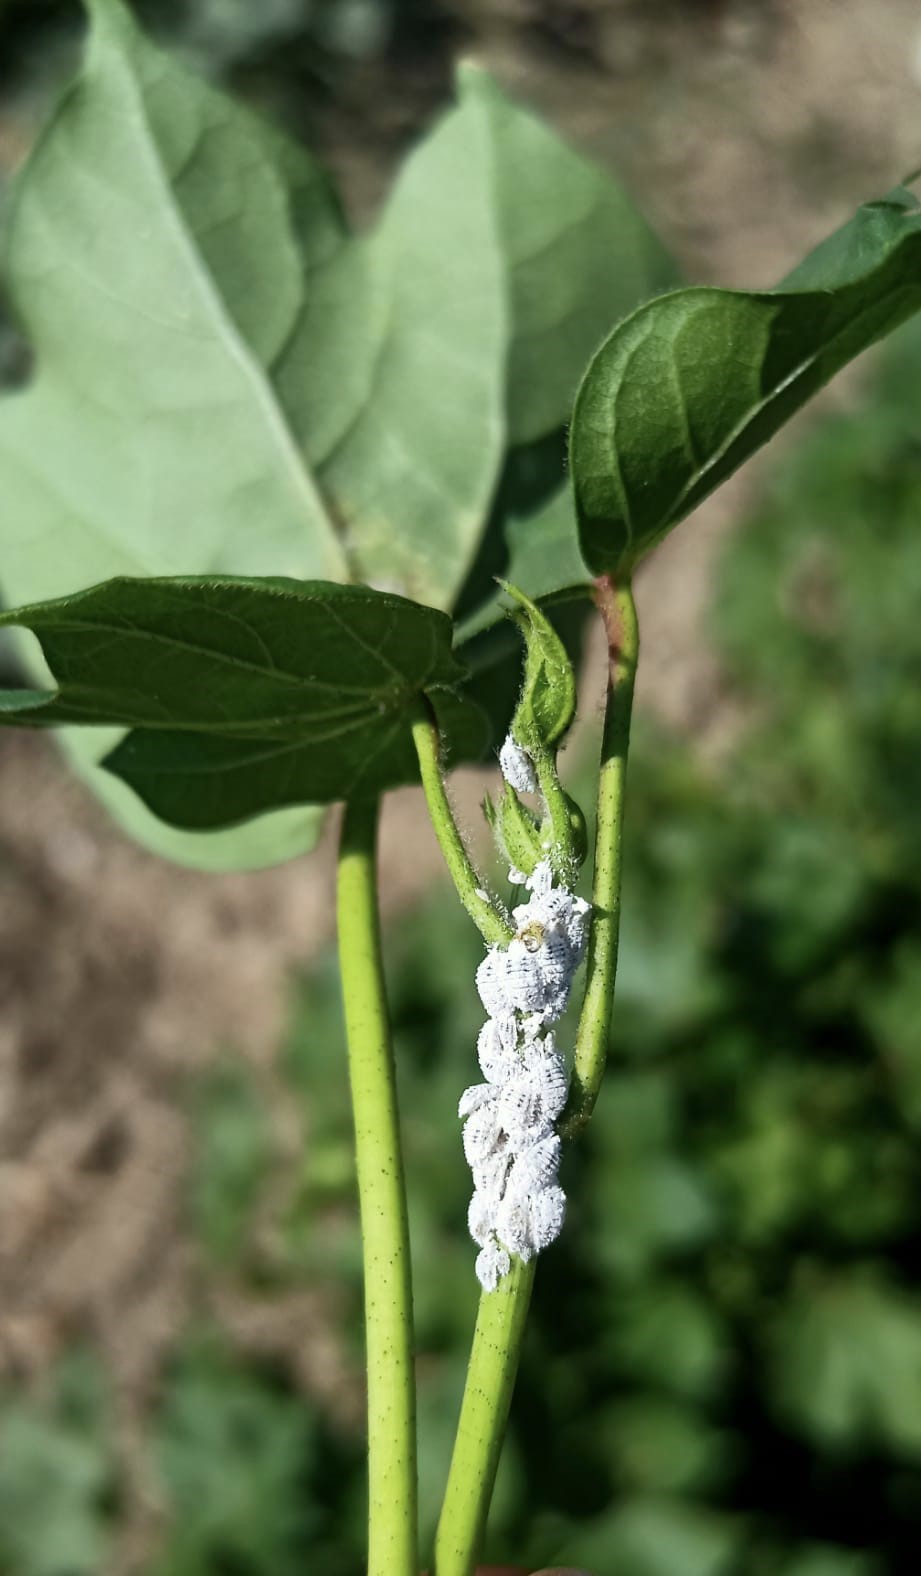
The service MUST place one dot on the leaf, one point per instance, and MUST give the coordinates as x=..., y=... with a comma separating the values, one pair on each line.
x=460, y=327
x=577, y=253
x=228, y=383
x=545, y=559
x=204, y=781
x=263, y=840
x=854, y=248
x=516, y=832
x=685, y=389
x=548, y=696
x=161, y=248
x=159, y=273
x=402, y=391
x=246, y=695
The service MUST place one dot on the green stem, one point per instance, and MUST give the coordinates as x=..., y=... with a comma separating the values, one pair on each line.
x=618, y=612
x=500, y=1324
x=382, y=1199
x=492, y=924
x=481, y=1427
x=559, y=814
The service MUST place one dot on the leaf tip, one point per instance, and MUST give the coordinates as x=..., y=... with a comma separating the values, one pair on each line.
x=471, y=77
x=100, y=12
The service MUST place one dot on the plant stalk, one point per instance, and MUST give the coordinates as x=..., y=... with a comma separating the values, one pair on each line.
x=392, y=1516
x=481, y=1427
x=618, y=612
x=493, y=925
x=502, y=1315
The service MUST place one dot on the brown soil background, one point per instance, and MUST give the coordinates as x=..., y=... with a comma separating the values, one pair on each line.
x=750, y=130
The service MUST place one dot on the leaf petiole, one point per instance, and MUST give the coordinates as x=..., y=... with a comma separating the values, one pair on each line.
x=493, y=925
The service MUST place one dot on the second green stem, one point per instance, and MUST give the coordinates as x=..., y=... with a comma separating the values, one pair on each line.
x=501, y=1320
x=382, y=1198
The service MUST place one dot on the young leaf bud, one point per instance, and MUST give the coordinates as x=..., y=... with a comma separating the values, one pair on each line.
x=517, y=832
x=548, y=695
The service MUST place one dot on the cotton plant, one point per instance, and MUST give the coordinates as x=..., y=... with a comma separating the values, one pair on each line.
x=248, y=495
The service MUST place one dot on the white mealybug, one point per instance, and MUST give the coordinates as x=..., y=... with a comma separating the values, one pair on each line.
x=535, y=1167
x=525, y=987
x=492, y=1262
x=512, y=1225
x=547, y=1213
x=517, y=767
x=489, y=1175
x=481, y=1218
x=510, y=1139
x=519, y=1112
x=483, y=1136
x=490, y=982
x=497, y=1051
x=474, y=1097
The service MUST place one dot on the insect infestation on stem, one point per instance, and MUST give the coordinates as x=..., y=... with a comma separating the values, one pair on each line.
x=399, y=381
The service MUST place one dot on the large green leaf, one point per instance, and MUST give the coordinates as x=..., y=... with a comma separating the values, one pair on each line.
x=155, y=263
x=543, y=560
x=228, y=383
x=400, y=390
x=245, y=695
x=161, y=248
x=576, y=253
x=691, y=384
x=458, y=328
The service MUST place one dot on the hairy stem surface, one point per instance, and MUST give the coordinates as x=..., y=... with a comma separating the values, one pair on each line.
x=492, y=925
x=500, y=1324
x=382, y=1199
x=618, y=612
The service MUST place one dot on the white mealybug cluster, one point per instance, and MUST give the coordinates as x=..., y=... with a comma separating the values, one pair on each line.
x=509, y=1129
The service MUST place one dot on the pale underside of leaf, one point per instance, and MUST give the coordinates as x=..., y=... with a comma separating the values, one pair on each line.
x=152, y=439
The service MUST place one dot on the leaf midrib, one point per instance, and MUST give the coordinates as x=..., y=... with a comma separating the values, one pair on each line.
x=78, y=704
x=241, y=353
x=244, y=663
x=270, y=749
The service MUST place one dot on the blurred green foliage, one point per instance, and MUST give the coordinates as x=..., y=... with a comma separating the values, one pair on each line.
x=57, y=1476
x=234, y=1154
x=249, y=1475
